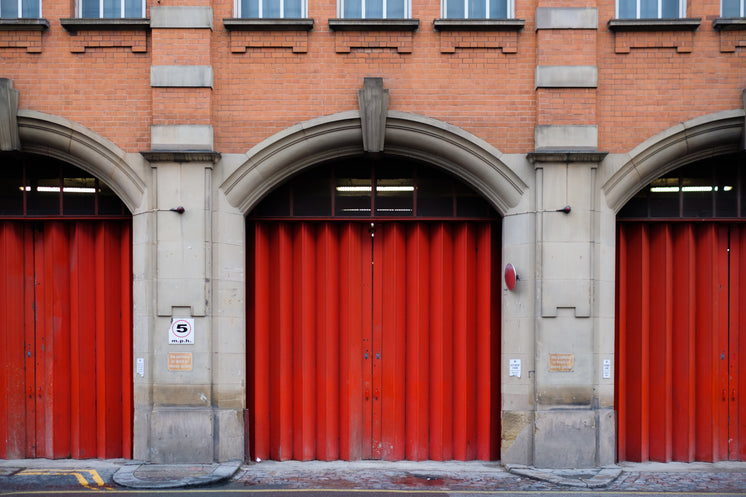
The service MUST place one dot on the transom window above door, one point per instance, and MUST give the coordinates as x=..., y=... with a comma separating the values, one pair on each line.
x=272, y=9
x=650, y=9
x=110, y=9
x=710, y=188
x=374, y=188
x=43, y=187
x=374, y=9
x=477, y=9
x=20, y=9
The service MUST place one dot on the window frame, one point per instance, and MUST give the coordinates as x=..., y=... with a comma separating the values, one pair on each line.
x=681, y=5
x=79, y=10
x=237, y=10
x=20, y=11
x=341, y=5
x=510, y=11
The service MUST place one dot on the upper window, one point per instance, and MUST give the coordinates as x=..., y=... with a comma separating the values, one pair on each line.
x=272, y=9
x=374, y=9
x=111, y=9
x=477, y=9
x=650, y=9
x=15, y=9
x=734, y=8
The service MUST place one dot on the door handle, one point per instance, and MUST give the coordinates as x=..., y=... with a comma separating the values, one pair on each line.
x=376, y=394
x=367, y=393
x=725, y=394
x=733, y=395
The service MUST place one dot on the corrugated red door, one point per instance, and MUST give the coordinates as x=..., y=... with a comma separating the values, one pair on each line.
x=680, y=334
x=374, y=340
x=65, y=339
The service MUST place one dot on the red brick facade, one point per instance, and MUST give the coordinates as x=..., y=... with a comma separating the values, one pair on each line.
x=481, y=81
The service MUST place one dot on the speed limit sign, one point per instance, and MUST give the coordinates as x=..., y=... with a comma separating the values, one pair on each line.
x=181, y=331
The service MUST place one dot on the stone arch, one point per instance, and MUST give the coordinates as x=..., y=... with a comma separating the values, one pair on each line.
x=57, y=137
x=706, y=136
x=278, y=157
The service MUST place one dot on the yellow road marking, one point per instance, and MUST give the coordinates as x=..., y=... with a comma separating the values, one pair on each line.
x=77, y=473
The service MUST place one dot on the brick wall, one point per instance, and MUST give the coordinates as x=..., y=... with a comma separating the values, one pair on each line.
x=265, y=81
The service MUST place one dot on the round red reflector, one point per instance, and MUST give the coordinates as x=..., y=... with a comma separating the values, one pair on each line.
x=510, y=276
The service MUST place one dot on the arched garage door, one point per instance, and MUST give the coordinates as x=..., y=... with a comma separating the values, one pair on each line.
x=374, y=336
x=65, y=314
x=681, y=316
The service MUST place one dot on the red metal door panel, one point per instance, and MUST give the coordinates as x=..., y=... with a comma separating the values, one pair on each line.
x=72, y=319
x=13, y=353
x=737, y=372
x=672, y=341
x=377, y=304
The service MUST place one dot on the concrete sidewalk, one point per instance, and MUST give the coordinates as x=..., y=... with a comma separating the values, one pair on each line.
x=724, y=478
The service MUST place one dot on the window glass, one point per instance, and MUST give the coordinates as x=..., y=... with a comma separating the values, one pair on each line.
x=396, y=9
x=455, y=9
x=294, y=9
x=271, y=9
x=311, y=193
x=669, y=9
x=79, y=192
x=11, y=189
x=353, y=190
x=378, y=187
x=30, y=9
x=353, y=9
x=726, y=191
x=374, y=9
x=43, y=190
x=9, y=9
x=394, y=190
x=89, y=8
x=732, y=8
x=697, y=191
x=710, y=188
x=648, y=9
x=498, y=10
x=112, y=9
x=250, y=8
x=627, y=9
x=475, y=9
x=133, y=8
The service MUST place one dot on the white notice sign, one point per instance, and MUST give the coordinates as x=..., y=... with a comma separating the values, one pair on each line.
x=515, y=367
x=181, y=332
x=607, y=369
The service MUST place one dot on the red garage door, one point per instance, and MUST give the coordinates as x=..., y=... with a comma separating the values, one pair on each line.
x=375, y=339
x=65, y=314
x=681, y=318
x=65, y=339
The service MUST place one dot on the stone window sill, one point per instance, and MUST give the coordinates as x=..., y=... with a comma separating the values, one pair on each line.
x=374, y=24
x=729, y=23
x=245, y=24
x=478, y=24
x=683, y=24
x=115, y=24
x=24, y=24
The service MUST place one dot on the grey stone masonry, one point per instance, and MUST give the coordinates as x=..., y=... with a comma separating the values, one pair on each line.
x=181, y=17
x=566, y=18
